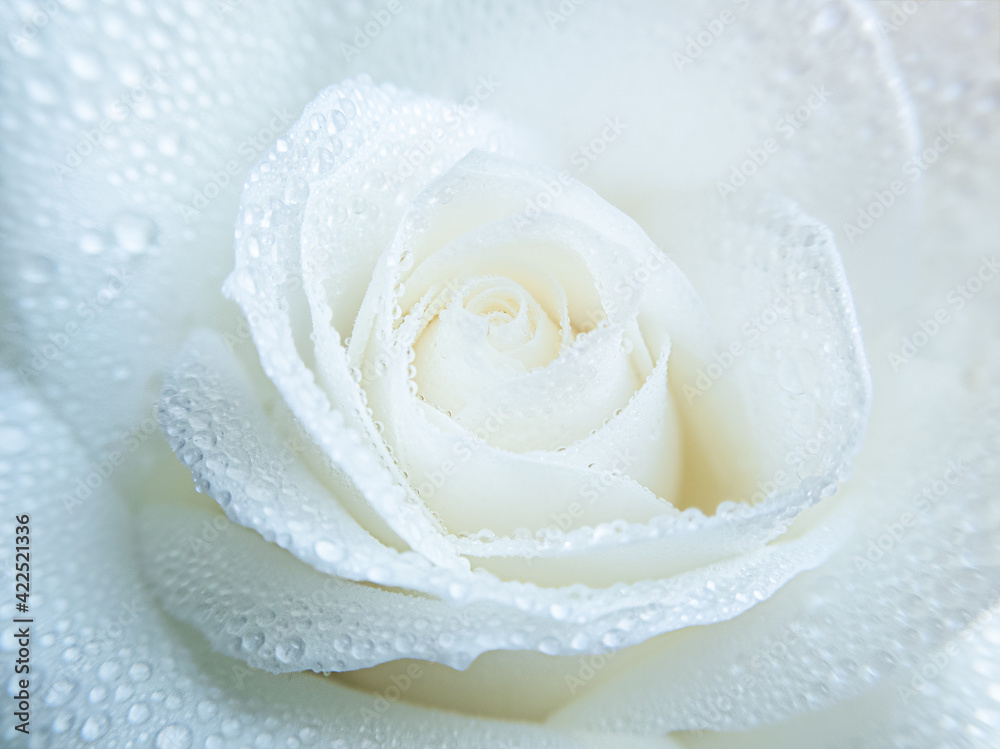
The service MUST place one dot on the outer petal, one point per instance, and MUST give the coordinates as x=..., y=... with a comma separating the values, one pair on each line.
x=213, y=421
x=229, y=84
x=292, y=233
x=956, y=704
x=109, y=668
x=859, y=630
x=921, y=564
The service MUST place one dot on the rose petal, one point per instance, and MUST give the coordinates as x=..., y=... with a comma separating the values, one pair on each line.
x=646, y=151
x=280, y=232
x=204, y=126
x=956, y=706
x=465, y=187
x=913, y=574
x=108, y=666
x=215, y=423
x=802, y=372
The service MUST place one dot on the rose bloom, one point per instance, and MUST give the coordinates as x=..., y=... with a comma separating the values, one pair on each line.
x=550, y=374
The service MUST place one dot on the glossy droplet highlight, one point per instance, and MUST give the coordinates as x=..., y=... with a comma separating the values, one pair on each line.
x=174, y=736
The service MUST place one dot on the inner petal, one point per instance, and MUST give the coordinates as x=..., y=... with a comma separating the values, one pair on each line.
x=493, y=330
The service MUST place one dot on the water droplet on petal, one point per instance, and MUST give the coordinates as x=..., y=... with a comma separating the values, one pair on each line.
x=134, y=233
x=60, y=692
x=329, y=552
x=94, y=727
x=91, y=243
x=174, y=736
x=252, y=641
x=138, y=713
x=37, y=269
x=296, y=190
x=290, y=651
x=12, y=440
x=84, y=65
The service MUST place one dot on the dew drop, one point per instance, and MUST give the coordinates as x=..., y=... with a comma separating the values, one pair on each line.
x=94, y=727
x=338, y=215
x=336, y=123
x=91, y=243
x=109, y=670
x=12, y=440
x=84, y=65
x=174, y=736
x=296, y=190
x=323, y=161
x=329, y=552
x=63, y=722
x=134, y=233
x=168, y=145
x=138, y=713
x=60, y=692
x=38, y=269
x=252, y=641
x=230, y=728
x=290, y=651
x=206, y=710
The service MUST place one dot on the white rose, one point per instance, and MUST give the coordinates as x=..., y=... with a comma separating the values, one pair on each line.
x=577, y=485
x=568, y=450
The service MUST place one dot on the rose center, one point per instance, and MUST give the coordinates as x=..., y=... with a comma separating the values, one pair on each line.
x=492, y=331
